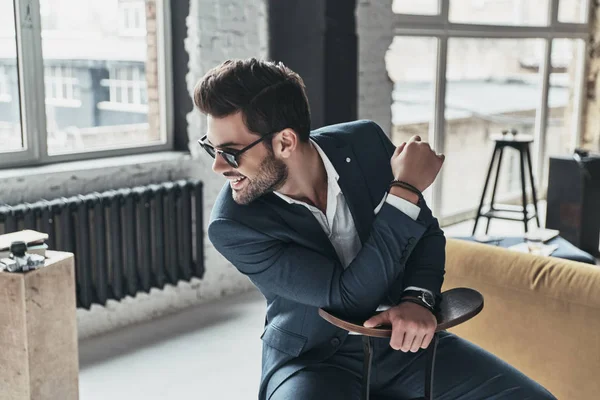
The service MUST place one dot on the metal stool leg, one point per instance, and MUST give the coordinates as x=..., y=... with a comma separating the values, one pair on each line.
x=501, y=151
x=533, y=192
x=523, y=187
x=429, y=368
x=487, y=181
x=368, y=351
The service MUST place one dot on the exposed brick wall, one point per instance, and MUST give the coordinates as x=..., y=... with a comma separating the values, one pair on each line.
x=219, y=30
x=591, y=118
x=374, y=25
x=152, y=70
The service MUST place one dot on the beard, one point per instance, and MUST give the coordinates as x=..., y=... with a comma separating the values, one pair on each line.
x=270, y=177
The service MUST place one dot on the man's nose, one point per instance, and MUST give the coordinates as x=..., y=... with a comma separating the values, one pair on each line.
x=219, y=164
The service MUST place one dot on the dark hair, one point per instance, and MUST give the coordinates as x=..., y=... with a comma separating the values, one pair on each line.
x=270, y=96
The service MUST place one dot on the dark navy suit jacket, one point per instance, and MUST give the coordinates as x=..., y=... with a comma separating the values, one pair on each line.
x=284, y=251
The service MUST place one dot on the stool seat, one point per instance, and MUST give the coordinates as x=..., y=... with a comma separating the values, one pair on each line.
x=457, y=306
x=509, y=139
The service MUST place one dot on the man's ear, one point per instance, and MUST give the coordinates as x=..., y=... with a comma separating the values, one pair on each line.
x=285, y=143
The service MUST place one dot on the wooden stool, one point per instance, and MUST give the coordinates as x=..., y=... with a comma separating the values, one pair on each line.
x=521, y=144
x=457, y=306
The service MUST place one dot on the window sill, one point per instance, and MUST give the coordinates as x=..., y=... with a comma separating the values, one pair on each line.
x=94, y=164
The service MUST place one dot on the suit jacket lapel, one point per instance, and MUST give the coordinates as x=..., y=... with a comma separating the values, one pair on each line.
x=352, y=182
x=307, y=230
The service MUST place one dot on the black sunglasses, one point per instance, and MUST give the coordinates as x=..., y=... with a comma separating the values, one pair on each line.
x=230, y=156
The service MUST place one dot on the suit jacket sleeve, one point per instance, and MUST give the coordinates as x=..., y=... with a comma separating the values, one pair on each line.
x=295, y=272
x=425, y=266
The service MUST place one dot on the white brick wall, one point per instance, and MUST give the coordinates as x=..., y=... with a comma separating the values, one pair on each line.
x=374, y=25
x=591, y=120
x=217, y=31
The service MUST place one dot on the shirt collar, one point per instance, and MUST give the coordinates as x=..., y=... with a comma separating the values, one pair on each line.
x=332, y=176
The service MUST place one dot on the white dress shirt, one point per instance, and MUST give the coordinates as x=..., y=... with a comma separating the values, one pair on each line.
x=337, y=222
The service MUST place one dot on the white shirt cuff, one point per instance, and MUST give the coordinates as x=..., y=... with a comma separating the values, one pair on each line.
x=418, y=288
x=408, y=208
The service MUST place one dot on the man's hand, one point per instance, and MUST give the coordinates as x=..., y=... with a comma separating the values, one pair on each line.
x=414, y=162
x=413, y=326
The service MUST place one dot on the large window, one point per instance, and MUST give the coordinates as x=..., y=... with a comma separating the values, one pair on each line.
x=464, y=70
x=102, y=69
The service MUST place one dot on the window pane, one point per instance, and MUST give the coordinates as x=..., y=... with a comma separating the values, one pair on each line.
x=411, y=63
x=561, y=99
x=93, y=63
x=492, y=85
x=499, y=12
x=11, y=138
x=419, y=7
x=571, y=11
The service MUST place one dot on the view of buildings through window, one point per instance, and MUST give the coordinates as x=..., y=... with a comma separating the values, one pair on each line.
x=491, y=85
x=100, y=75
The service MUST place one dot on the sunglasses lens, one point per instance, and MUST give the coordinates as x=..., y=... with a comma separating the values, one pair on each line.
x=230, y=158
x=209, y=149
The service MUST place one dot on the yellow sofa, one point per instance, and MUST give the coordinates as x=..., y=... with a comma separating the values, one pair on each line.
x=541, y=314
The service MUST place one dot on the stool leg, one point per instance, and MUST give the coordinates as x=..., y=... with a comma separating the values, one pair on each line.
x=368, y=351
x=487, y=180
x=501, y=151
x=533, y=192
x=429, y=368
x=523, y=189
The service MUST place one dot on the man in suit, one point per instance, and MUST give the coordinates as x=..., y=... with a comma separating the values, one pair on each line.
x=312, y=220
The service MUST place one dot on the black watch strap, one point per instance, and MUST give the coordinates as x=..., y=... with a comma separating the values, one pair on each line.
x=417, y=301
x=426, y=297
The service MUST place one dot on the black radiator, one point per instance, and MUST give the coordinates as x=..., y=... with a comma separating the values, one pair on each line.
x=125, y=241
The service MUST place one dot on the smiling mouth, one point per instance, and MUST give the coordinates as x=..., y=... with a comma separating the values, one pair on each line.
x=237, y=182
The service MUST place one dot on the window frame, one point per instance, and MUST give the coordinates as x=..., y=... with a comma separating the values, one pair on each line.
x=440, y=27
x=30, y=66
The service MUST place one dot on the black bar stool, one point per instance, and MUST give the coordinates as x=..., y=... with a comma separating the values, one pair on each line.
x=500, y=211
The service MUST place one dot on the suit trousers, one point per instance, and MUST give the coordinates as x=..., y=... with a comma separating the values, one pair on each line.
x=462, y=371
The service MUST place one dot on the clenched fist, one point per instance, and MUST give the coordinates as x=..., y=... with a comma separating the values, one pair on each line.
x=416, y=163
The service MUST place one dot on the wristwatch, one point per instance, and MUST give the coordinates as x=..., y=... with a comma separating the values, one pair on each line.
x=425, y=297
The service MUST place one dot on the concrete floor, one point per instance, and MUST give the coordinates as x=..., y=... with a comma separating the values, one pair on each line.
x=209, y=352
